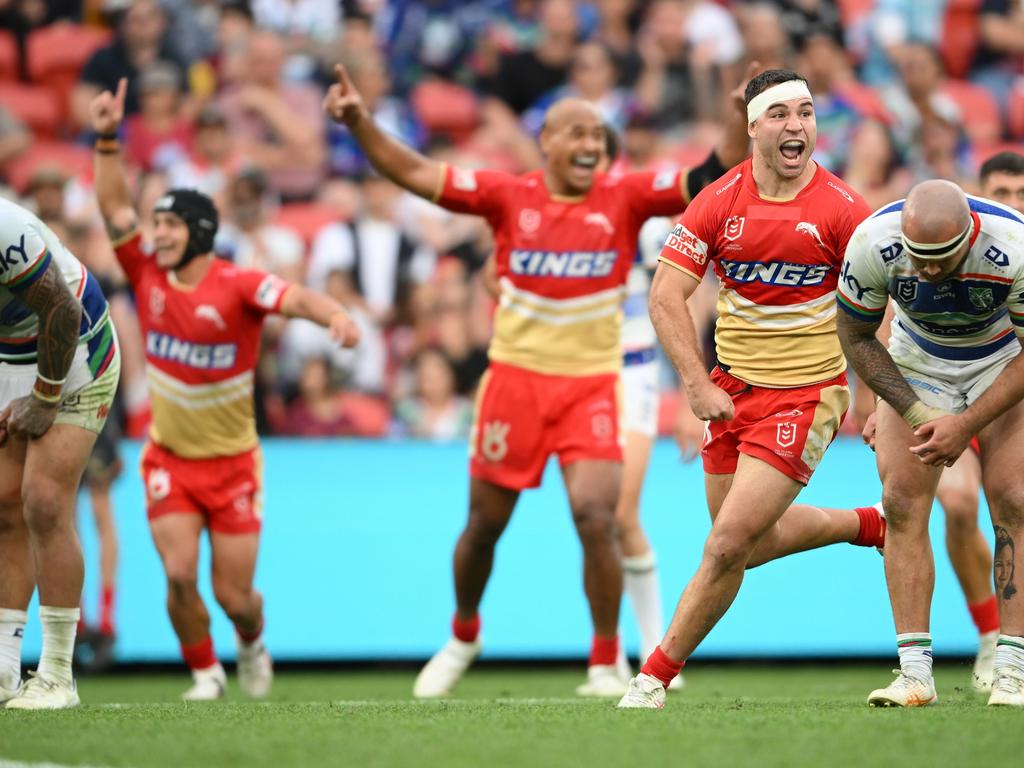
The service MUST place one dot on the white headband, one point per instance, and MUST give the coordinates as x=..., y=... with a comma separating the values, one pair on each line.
x=791, y=89
x=936, y=251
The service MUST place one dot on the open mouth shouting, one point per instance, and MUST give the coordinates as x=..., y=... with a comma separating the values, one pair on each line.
x=792, y=151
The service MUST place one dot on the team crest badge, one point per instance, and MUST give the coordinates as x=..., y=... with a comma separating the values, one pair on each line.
x=981, y=298
x=494, y=442
x=158, y=484
x=906, y=289
x=529, y=220
x=785, y=434
x=157, y=301
x=734, y=227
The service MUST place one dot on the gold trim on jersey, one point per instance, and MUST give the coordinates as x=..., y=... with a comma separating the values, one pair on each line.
x=682, y=269
x=788, y=316
x=202, y=420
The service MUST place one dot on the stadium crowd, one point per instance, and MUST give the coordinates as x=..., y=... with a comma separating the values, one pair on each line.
x=225, y=97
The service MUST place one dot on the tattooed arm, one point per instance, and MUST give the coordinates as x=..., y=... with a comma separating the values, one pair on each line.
x=60, y=315
x=873, y=363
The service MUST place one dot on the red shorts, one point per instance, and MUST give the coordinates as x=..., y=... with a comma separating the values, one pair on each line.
x=226, y=490
x=787, y=428
x=975, y=446
x=523, y=417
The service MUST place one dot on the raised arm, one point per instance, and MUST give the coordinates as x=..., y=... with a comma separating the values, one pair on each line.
x=60, y=316
x=299, y=301
x=115, y=200
x=671, y=317
x=398, y=162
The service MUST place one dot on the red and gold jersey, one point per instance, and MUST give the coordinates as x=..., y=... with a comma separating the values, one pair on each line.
x=562, y=263
x=202, y=344
x=778, y=263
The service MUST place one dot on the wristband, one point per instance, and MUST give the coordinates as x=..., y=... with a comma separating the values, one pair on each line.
x=106, y=146
x=48, y=399
x=107, y=136
x=919, y=414
x=51, y=382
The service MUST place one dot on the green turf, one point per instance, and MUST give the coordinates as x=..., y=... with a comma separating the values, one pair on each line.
x=728, y=716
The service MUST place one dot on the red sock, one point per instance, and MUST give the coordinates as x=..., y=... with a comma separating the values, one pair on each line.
x=107, y=611
x=985, y=615
x=250, y=637
x=466, y=630
x=604, y=650
x=199, y=655
x=662, y=666
x=872, y=528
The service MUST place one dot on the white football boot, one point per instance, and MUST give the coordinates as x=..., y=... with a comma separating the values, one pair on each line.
x=1007, y=688
x=984, y=662
x=255, y=669
x=207, y=684
x=439, y=676
x=604, y=682
x=904, y=691
x=645, y=692
x=45, y=692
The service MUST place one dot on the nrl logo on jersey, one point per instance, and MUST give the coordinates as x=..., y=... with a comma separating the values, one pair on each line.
x=733, y=227
x=906, y=289
x=981, y=298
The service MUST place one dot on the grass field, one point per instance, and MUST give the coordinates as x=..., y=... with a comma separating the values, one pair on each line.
x=727, y=716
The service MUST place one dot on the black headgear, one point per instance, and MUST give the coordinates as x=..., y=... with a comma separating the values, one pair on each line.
x=200, y=216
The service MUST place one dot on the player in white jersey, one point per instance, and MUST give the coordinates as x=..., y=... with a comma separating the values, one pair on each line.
x=59, y=367
x=954, y=267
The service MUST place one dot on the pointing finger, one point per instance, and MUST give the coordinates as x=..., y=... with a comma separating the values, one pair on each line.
x=343, y=79
x=122, y=89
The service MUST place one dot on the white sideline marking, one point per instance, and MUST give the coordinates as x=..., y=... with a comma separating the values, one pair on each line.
x=18, y=764
x=526, y=702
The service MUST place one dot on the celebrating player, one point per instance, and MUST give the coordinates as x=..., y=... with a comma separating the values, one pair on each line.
x=953, y=267
x=564, y=240
x=775, y=228
x=1002, y=179
x=59, y=366
x=201, y=318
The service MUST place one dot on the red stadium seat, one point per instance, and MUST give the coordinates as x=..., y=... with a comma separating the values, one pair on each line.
x=8, y=56
x=305, y=219
x=960, y=36
x=979, y=111
x=1015, y=110
x=35, y=105
x=852, y=11
x=57, y=53
x=74, y=159
x=446, y=108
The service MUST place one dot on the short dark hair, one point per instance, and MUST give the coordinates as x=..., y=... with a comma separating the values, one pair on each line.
x=1003, y=162
x=612, y=144
x=768, y=78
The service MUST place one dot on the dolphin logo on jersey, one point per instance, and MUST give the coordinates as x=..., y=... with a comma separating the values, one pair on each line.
x=209, y=312
x=810, y=229
x=734, y=227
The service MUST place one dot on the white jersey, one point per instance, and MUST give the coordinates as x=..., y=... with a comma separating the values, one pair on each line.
x=637, y=331
x=27, y=248
x=971, y=315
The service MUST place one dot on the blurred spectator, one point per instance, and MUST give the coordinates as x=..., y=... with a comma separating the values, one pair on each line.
x=393, y=115
x=895, y=24
x=141, y=40
x=592, y=78
x=192, y=27
x=159, y=136
x=1000, y=55
x=873, y=167
x=617, y=24
x=322, y=410
x=46, y=198
x=384, y=267
x=20, y=17
x=806, y=18
x=246, y=235
x=234, y=26
x=14, y=137
x=424, y=37
x=943, y=151
x=309, y=29
x=278, y=126
x=213, y=159
x=765, y=38
x=434, y=411
x=523, y=77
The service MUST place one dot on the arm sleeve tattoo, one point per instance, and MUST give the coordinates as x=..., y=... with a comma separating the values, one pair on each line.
x=873, y=363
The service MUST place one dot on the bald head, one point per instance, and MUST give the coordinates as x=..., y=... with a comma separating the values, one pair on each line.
x=935, y=212
x=566, y=111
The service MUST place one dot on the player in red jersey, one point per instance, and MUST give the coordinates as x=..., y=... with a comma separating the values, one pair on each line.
x=775, y=228
x=201, y=318
x=564, y=241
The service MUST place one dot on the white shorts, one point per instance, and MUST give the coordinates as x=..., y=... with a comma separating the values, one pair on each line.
x=947, y=383
x=640, y=396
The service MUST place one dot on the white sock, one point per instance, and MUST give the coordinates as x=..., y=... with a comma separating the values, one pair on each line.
x=640, y=580
x=915, y=649
x=1010, y=653
x=59, y=627
x=12, y=629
